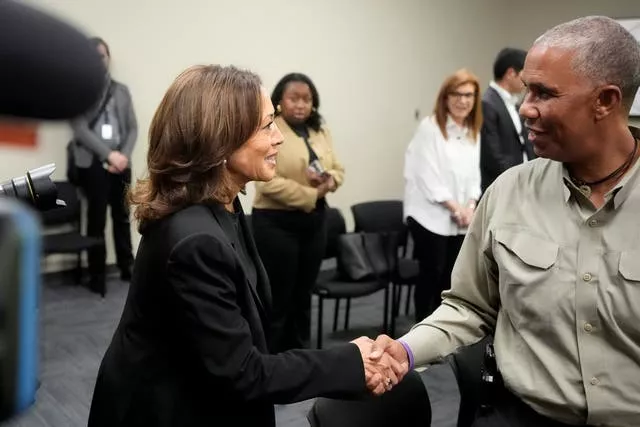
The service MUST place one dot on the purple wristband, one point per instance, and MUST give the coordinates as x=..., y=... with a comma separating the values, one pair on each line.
x=409, y=353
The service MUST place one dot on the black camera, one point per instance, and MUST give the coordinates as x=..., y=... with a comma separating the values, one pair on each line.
x=36, y=188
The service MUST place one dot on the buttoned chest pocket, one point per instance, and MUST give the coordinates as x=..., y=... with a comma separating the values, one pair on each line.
x=527, y=273
x=625, y=295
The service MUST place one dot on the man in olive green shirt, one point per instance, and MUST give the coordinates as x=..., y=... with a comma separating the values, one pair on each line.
x=551, y=262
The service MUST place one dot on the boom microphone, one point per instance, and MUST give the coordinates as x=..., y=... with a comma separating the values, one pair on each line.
x=49, y=69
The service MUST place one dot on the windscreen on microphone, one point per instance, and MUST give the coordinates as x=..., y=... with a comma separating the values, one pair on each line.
x=48, y=69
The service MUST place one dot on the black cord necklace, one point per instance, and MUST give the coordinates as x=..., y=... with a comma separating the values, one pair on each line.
x=622, y=169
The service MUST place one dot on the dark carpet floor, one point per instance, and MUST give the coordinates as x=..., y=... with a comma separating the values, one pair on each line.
x=77, y=326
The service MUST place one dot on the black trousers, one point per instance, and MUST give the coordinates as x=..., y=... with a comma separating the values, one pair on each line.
x=291, y=245
x=436, y=255
x=510, y=411
x=103, y=189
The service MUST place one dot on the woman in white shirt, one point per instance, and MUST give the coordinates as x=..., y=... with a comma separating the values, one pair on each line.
x=442, y=185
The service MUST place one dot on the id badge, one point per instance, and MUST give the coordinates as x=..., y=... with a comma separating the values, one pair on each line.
x=107, y=132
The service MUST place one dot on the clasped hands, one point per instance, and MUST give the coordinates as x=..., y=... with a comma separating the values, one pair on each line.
x=324, y=183
x=463, y=215
x=385, y=362
x=118, y=162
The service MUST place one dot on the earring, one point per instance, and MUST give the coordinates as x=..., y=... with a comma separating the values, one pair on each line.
x=279, y=109
x=224, y=162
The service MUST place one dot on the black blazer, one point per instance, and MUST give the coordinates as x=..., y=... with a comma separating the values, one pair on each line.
x=500, y=146
x=190, y=349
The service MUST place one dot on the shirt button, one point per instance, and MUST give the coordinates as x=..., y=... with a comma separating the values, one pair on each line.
x=594, y=381
x=587, y=277
x=588, y=327
x=593, y=223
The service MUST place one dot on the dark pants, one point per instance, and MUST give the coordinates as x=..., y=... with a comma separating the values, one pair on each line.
x=103, y=189
x=291, y=246
x=436, y=255
x=510, y=411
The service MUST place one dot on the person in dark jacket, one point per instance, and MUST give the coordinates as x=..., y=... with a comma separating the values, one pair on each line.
x=191, y=347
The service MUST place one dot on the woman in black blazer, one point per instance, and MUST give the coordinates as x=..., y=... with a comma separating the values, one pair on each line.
x=190, y=349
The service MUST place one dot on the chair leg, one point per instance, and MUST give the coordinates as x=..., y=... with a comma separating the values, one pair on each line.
x=319, y=337
x=408, y=302
x=397, y=298
x=385, y=310
x=346, y=314
x=394, y=308
x=78, y=271
x=335, y=314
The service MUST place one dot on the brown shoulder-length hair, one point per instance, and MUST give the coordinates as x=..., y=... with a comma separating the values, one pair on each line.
x=208, y=112
x=474, y=121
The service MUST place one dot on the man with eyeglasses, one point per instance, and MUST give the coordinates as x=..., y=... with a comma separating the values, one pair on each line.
x=503, y=139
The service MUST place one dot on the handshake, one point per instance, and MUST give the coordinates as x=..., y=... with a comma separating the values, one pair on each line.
x=385, y=361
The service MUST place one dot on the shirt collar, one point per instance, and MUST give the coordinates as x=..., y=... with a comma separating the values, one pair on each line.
x=622, y=189
x=451, y=125
x=504, y=94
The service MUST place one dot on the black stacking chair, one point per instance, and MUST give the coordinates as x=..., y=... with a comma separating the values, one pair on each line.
x=386, y=216
x=467, y=364
x=333, y=284
x=71, y=240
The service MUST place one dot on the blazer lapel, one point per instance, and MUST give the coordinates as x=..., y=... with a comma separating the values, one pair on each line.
x=528, y=146
x=263, y=285
x=121, y=109
x=229, y=230
x=501, y=107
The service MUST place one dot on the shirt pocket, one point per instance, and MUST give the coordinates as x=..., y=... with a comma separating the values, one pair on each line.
x=625, y=294
x=527, y=272
x=629, y=267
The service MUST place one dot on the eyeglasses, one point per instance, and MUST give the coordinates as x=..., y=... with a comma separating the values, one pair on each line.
x=460, y=95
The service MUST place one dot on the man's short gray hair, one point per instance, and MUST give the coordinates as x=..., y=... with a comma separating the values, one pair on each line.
x=605, y=52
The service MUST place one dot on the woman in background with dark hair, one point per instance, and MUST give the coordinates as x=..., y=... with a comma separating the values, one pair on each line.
x=289, y=211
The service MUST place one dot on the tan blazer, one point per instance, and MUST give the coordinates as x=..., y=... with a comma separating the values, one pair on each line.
x=290, y=189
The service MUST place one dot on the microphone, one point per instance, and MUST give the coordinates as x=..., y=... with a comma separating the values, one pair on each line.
x=50, y=70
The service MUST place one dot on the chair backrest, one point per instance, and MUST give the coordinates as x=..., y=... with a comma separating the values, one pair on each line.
x=381, y=216
x=335, y=227
x=406, y=405
x=69, y=214
x=467, y=366
x=378, y=216
x=364, y=256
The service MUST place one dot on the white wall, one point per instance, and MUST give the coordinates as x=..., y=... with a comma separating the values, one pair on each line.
x=530, y=19
x=374, y=61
